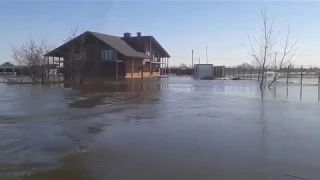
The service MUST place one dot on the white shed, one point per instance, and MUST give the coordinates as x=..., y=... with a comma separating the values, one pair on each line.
x=203, y=71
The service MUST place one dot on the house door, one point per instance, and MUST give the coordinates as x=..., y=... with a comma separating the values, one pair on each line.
x=121, y=69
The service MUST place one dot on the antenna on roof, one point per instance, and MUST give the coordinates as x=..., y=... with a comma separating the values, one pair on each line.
x=207, y=54
x=127, y=35
x=192, y=59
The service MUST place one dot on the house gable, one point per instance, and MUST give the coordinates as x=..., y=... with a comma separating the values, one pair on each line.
x=139, y=42
x=113, y=41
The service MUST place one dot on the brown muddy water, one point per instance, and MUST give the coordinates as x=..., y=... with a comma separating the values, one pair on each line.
x=166, y=129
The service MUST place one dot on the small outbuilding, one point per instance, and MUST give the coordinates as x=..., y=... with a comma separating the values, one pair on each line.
x=203, y=71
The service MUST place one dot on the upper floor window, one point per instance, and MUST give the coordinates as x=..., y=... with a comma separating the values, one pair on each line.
x=80, y=55
x=107, y=55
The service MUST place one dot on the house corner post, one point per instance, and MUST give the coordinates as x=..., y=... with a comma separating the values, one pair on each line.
x=116, y=58
x=161, y=67
x=132, y=67
x=142, y=68
x=151, y=55
x=165, y=66
x=168, y=66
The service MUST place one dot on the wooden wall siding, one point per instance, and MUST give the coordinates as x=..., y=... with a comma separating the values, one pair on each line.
x=146, y=74
x=135, y=70
x=95, y=67
x=146, y=68
x=93, y=47
x=147, y=46
x=109, y=69
x=66, y=66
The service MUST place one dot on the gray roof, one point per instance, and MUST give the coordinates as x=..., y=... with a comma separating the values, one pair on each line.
x=7, y=64
x=134, y=42
x=120, y=45
x=115, y=42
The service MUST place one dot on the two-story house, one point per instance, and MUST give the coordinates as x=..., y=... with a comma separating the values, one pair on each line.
x=93, y=54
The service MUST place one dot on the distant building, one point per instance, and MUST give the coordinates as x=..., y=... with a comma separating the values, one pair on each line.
x=203, y=71
x=102, y=55
x=7, y=67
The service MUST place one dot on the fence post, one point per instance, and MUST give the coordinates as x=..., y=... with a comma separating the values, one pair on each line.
x=288, y=75
x=319, y=86
x=232, y=71
x=250, y=73
x=265, y=80
x=301, y=82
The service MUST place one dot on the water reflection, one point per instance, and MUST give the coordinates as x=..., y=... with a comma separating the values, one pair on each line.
x=198, y=129
x=47, y=111
x=275, y=91
x=75, y=171
x=124, y=85
x=262, y=93
x=87, y=103
x=287, y=92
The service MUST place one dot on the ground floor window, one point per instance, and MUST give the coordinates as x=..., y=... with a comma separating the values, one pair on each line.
x=108, y=55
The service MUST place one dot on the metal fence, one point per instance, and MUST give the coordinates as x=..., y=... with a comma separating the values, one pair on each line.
x=300, y=75
x=303, y=75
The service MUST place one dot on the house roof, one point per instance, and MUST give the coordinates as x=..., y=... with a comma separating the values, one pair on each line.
x=134, y=41
x=115, y=42
x=7, y=64
x=120, y=45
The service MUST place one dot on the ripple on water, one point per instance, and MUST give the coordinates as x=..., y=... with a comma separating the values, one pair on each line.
x=6, y=119
x=186, y=130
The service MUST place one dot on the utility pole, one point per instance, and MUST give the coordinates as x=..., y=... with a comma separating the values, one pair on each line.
x=207, y=54
x=192, y=60
x=275, y=60
x=199, y=60
x=275, y=65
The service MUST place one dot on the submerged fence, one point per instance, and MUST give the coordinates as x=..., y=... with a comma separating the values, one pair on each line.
x=290, y=75
x=303, y=75
x=217, y=71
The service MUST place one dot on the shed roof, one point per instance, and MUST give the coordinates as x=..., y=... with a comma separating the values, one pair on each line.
x=7, y=64
x=134, y=41
x=120, y=45
x=115, y=42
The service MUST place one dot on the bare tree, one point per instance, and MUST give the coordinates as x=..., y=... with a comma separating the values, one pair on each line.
x=262, y=49
x=76, y=56
x=286, y=56
x=182, y=66
x=70, y=64
x=25, y=56
x=245, y=65
x=29, y=56
x=262, y=44
x=44, y=65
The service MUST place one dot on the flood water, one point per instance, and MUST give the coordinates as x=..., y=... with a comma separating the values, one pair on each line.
x=166, y=129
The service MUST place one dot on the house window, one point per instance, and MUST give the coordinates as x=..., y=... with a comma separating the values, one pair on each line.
x=107, y=55
x=79, y=55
